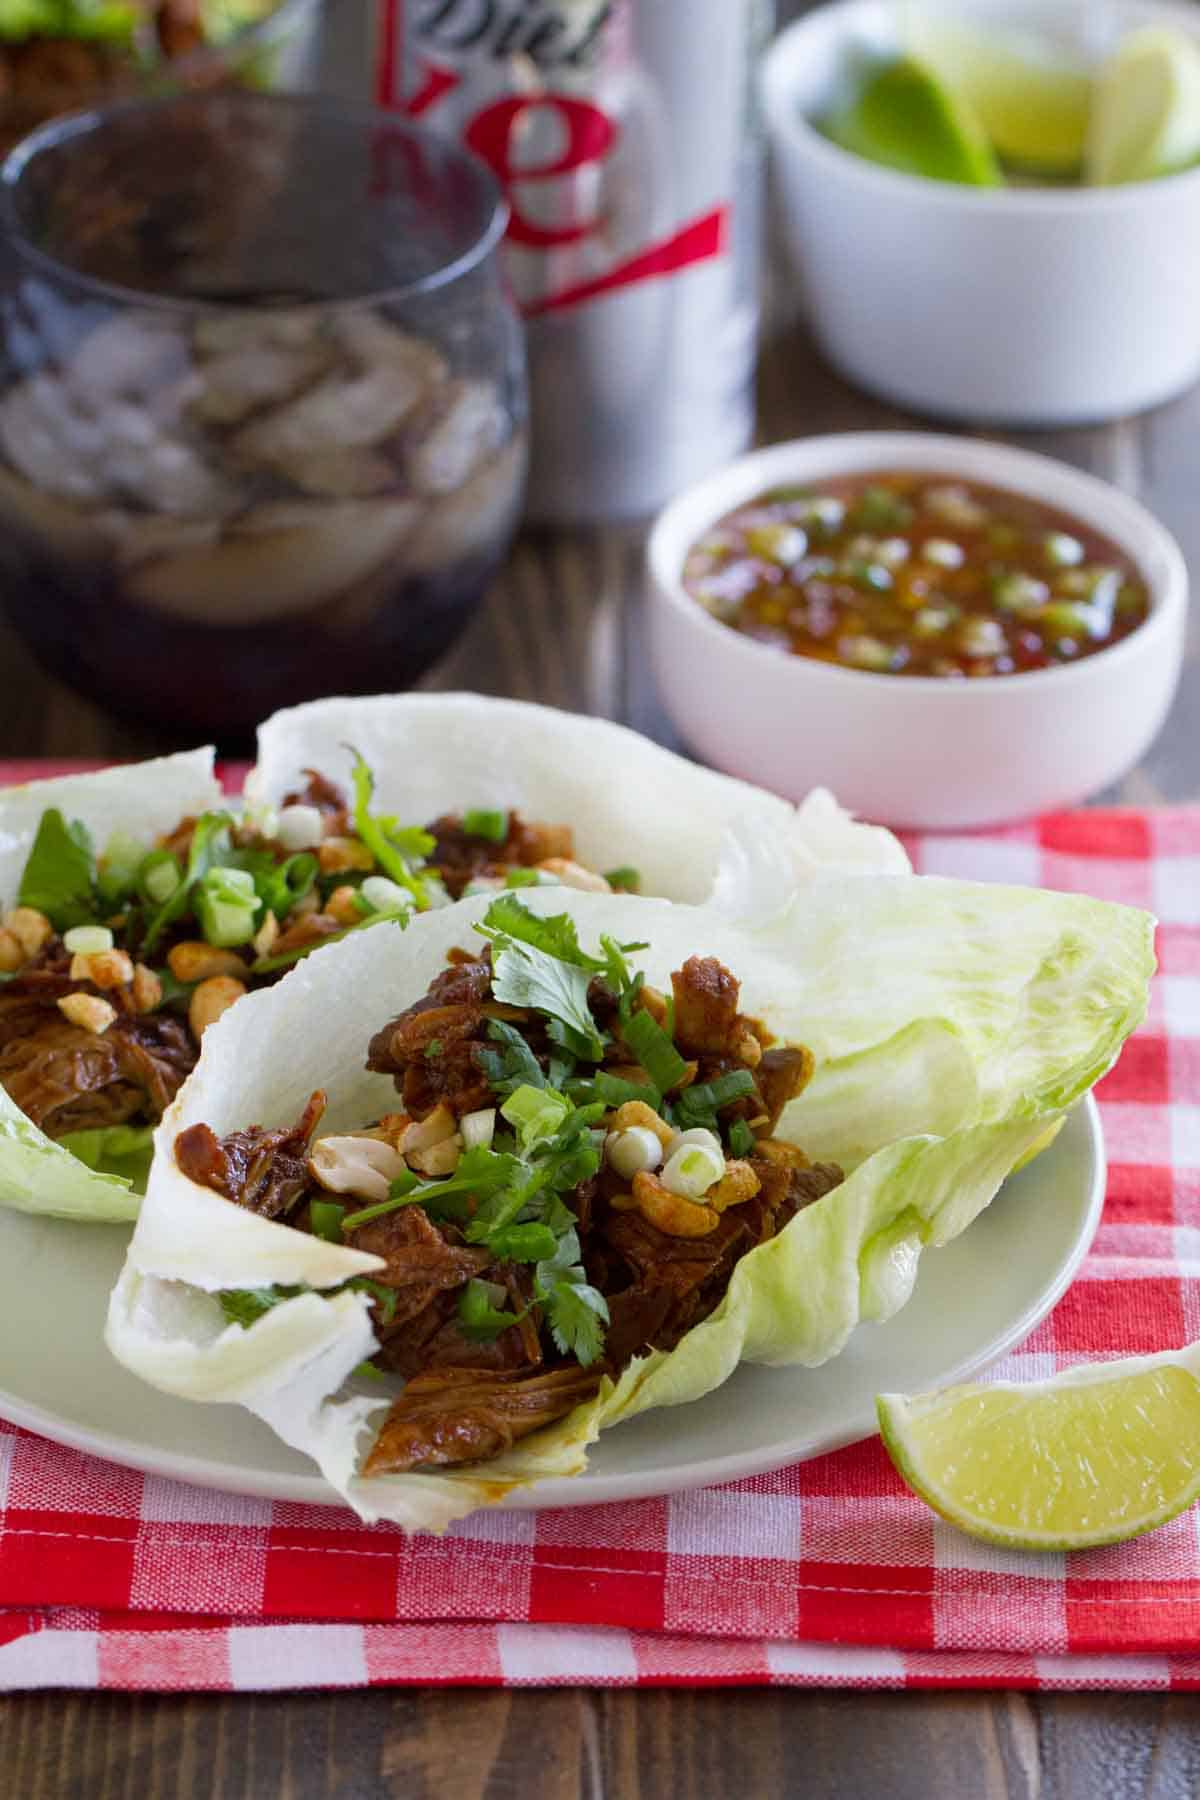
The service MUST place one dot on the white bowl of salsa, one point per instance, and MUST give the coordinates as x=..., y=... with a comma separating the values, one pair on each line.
x=948, y=633
x=1012, y=305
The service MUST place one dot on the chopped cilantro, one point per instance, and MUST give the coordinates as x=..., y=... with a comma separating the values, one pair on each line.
x=478, y=1318
x=523, y=1243
x=577, y=1314
x=394, y=847
x=245, y=1306
x=433, y=1049
x=209, y=847
x=512, y=1067
x=60, y=875
x=480, y=1172
x=481, y=822
x=624, y=880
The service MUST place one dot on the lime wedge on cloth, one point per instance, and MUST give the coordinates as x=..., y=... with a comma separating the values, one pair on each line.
x=1094, y=1456
x=1031, y=95
x=1146, y=118
x=902, y=117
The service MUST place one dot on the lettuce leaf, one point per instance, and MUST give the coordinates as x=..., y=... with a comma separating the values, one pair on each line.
x=122, y=1150
x=952, y=1024
x=51, y=867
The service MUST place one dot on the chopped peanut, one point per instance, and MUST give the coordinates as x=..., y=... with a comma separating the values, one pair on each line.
x=748, y=1050
x=340, y=906
x=738, y=1184
x=434, y=1128
x=650, y=1000
x=264, y=938
x=104, y=968
x=211, y=999
x=778, y=1150
x=357, y=1164
x=147, y=989
x=437, y=1159
x=32, y=929
x=95, y=1015
x=12, y=956
x=574, y=875
x=632, y=1113
x=307, y=903
x=671, y=1213
x=337, y=854
x=194, y=960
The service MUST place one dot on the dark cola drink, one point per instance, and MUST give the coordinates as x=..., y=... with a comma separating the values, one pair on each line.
x=624, y=133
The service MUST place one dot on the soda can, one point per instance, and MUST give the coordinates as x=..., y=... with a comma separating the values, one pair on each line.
x=625, y=134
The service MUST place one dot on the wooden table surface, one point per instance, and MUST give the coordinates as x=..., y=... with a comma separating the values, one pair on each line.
x=563, y=625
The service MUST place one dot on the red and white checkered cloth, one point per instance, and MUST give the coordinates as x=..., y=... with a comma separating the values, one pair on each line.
x=829, y=1573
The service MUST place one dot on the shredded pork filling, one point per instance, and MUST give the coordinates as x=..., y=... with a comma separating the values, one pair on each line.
x=659, y=1260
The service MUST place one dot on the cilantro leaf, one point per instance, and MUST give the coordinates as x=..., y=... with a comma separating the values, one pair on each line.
x=60, y=875
x=513, y=1067
x=478, y=1319
x=509, y=917
x=577, y=1314
x=481, y=1172
x=392, y=848
x=245, y=1306
x=523, y=975
x=523, y=1243
x=210, y=846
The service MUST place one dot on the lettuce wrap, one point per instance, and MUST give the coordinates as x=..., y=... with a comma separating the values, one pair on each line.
x=689, y=833
x=38, y=1174
x=950, y=1025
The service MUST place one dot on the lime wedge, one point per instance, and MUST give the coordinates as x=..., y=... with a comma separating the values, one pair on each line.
x=1030, y=94
x=1093, y=1456
x=902, y=117
x=1146, y=119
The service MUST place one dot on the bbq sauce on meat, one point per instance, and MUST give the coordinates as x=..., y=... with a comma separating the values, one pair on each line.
x=467, y=1399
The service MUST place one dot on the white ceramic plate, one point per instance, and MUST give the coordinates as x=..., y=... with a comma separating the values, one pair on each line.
x=975, y=1300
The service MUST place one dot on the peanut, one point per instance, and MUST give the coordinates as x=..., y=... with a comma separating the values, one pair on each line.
x=434, y=1128
x=738, y=1184
x=340, y=906
x=89, y=1011
x=632, y=1113
x=778, y=1150
x=32, y=929
x=574, y=875
x=337, y=854
x=211, y=999
x=265, y=936
x=670, y=1213
x=194, y=960
x=104, y=968
x=437, y=1159
x=147, y=989
x=12, y=956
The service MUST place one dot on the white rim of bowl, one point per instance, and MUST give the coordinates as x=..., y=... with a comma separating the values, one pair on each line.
x=788, y=120
x=1132, y=528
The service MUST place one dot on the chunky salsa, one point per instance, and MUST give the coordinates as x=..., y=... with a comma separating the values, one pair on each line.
x=914, y=573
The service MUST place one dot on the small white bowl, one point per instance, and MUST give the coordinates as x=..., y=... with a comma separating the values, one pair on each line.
x=914, y=750
x=1020, y=306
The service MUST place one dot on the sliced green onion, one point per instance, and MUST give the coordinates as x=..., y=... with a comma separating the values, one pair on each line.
x=615, y=1091
x=698, y=1103
x=119, y=864
x=325, y=1217
x=87, y=940
x=159, y=876
x=537, y=1113
x=382, y=895
x=624, y=880
x=741, y=1138
x=654, y=1050
x=692, y=1170
x=482, y=822
x=478, y=1128
x=226, y=904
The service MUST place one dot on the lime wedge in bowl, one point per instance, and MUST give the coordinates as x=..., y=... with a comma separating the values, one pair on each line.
x=1094, y=1456
x=1031, y=95
x=1146, y=118
x=903, y=117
